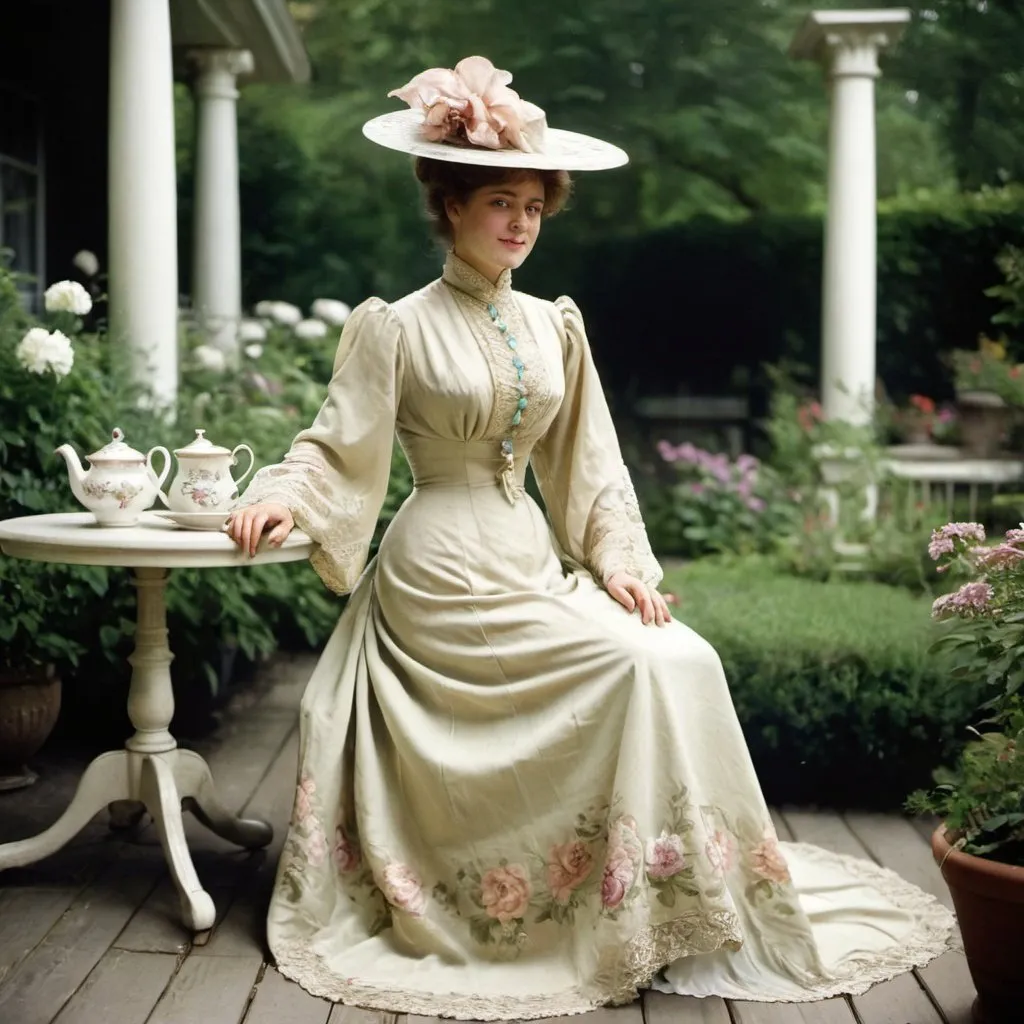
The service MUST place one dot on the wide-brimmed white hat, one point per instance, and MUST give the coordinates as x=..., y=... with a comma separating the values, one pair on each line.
x=468, y=115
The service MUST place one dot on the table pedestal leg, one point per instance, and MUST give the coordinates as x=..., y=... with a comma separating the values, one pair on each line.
x=151, y=774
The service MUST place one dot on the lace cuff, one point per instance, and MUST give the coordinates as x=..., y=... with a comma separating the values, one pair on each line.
x=301, y=482
x=616, y=536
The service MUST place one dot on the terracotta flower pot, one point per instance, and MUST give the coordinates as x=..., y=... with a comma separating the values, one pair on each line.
x=989, y=902
x=29, y=705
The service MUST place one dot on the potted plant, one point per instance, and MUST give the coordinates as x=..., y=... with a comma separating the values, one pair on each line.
x=979, y=845
x=915, y=422
x=988, y=389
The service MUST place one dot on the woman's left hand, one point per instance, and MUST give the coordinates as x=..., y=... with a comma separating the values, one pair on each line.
x=632, y=593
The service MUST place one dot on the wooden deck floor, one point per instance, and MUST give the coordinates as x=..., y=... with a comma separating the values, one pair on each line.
x=89, y=935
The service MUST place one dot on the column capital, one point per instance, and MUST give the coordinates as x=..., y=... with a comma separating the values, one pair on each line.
x=216, y=70
x=847, y=42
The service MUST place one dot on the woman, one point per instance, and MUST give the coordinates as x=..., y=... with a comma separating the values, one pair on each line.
x=523, y=790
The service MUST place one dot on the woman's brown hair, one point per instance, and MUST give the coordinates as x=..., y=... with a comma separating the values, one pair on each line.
x=443, y=180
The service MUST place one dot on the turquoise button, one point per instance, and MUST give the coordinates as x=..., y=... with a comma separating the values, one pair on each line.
x=517, y=419
x=522, y=403
x=512, y=343
x=493, y=310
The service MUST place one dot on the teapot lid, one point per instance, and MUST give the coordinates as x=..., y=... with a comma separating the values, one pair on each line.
x=117, y=450
x=201, y=446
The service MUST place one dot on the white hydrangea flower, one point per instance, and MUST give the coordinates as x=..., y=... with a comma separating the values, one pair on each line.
x=265, y=308
x=285, y=313
x=40, y=351
x=210, y=358
x=311, y=328
x=86, y=262
x=67, y=297
x=251, y=330
x=254, y=351
x=332, y=311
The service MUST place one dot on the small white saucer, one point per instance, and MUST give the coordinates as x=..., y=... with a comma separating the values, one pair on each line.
x=196, y=520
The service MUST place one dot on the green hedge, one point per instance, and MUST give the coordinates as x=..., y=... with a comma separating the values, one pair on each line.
x=840, y=700
x=688, y=306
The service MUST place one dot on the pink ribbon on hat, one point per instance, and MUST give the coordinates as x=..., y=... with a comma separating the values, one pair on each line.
x=473, y=103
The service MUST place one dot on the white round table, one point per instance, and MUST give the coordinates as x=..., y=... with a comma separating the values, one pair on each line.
x=151, y=773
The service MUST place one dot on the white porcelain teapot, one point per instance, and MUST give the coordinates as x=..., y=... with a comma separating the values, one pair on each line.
x=120, y=483
x=203, y=482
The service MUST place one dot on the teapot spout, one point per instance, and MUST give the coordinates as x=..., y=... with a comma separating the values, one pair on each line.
x=76, y=474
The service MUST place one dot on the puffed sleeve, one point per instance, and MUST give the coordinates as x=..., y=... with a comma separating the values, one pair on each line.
x=579, y=468
x=335, y=476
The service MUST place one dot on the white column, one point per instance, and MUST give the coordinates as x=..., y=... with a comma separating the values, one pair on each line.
x=143, y=230
x=847, y=44
x=216, y=246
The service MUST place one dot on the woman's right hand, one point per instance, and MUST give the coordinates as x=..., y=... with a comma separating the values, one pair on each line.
x=246, y=525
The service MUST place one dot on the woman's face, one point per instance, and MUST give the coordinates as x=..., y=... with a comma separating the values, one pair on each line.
x=498, y=226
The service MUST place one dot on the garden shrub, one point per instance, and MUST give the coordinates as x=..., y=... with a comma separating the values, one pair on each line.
x=840, y=699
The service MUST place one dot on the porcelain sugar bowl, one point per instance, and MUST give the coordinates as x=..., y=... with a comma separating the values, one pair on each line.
x=120, y=482
x=203, y=482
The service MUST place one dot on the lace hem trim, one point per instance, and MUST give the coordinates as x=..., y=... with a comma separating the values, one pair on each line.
x=654, y=948
x=630, y=969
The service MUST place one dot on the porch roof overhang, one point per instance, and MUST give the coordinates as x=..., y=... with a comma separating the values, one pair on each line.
x=263, y=27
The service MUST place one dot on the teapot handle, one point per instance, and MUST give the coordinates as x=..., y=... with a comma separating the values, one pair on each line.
x=159, y=479
x=252, y=461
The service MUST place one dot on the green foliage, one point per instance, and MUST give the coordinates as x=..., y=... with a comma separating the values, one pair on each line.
x=981, y=797
x=839, y=696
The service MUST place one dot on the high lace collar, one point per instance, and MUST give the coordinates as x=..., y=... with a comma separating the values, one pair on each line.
x=459, y=274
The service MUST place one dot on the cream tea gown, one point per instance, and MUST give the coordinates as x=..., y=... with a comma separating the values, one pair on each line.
x=514, y=799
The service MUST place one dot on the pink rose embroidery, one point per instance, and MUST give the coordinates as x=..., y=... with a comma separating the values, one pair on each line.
x=506, y=892
x=665, y=856
x=303, y=796
x=346, y=851
x=766, y=859
x=315, y=847
x=619, y=873
x=402, y=889
x=721, y=851
x=568, y=867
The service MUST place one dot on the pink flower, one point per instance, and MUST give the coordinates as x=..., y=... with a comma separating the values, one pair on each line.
x=667, y=451
x=665, y=856
x=619, y=874
x=315, y=847
x=756, y=504
x=999, y=557
x=403, y=889
x=474, y=102
x=568, y=867
x=1015, y=536
x=506, y=892
x=766, y=860
x=944, y=539
x=970, y=600
x=303, y=797
x=347, y=855
x=721, y=851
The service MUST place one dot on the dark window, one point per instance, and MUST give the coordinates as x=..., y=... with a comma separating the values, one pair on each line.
x=21, y=197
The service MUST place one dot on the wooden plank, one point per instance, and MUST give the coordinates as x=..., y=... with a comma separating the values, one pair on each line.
x=280, y=1001
x=38, y=987
x=827, y=1011
x=213, y=989
x=356, y=1015
x=896, y=1002
x=825, y=829
x=662, y=1008
x=896, y=844
x=949, y=983
x=122, y=989
x=781, y=828
x=26, y=916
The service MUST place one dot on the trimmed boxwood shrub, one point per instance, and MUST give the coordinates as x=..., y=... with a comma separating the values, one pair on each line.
x=839, y=698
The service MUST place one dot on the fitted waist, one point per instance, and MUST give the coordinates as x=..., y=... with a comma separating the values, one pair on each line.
x=442, y=463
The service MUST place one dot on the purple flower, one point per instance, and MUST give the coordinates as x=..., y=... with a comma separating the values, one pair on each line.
x=970, y=600
x=1000, y=557
x=1015, y=536
x=756, y=504
x=667, y=451
x=747, y=463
